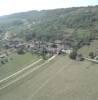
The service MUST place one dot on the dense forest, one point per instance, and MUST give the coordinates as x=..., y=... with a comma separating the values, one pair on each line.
x=77, y=24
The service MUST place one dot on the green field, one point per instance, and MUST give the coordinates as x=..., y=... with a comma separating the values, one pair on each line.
x=60, y=79
x=93, y=47
x=15, y=63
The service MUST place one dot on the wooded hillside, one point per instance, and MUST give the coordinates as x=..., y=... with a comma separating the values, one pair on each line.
x=74, y=24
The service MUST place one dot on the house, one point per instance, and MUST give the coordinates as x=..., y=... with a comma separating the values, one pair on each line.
x=21, y=45
x=68, y=51
x=52, y=50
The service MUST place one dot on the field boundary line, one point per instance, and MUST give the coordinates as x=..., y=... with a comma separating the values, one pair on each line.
x=48, y=80
x=24, y=75
x=92, y=60
x=20, y=71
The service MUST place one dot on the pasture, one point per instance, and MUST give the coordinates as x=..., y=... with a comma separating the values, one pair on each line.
x=15, y=63
x=93, y=47
x=60, y=79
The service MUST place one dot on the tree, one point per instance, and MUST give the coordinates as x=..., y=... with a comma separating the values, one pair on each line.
x=28, y=36
x=2, y=62
x=54, y=45
x=92, y=55
x=73, y=54
x=44, y=52
x=20, y=51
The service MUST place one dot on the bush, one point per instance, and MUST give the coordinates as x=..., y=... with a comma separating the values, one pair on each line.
x=2, y=62
x=80, y=57
x=73, y=55
x=92, y=55
x=20, y=51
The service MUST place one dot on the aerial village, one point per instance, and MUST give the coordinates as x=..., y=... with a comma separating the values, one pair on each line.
x=59, y=47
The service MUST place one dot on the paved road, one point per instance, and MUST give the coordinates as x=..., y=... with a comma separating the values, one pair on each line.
x=60, y=79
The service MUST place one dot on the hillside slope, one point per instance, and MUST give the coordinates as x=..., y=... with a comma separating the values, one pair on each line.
x=78, y=22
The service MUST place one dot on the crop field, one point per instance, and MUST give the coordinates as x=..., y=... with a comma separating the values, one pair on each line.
x=59, y=79
x=15, y=63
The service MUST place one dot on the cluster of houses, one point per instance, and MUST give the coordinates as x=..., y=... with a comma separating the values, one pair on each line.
x=35, y=46
x=55, y=47
x=14, y=43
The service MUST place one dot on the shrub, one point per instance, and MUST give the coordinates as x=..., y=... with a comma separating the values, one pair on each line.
x=73, y=55
x=2, y=62
x=20, y=51
x=92, y=55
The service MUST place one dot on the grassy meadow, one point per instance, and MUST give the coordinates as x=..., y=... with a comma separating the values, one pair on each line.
x=93, y=47
x=60, y=79
x=16, y=62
